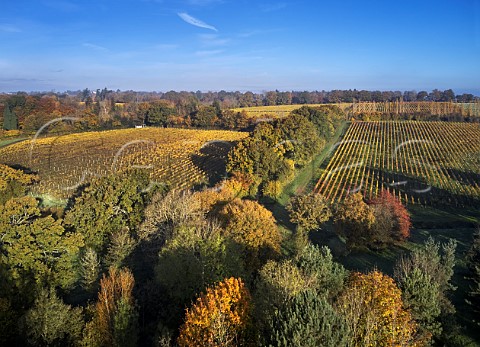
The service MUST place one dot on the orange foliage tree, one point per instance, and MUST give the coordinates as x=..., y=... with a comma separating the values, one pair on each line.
x=218, y=318
x=372, y=304
x=390, y=209
x=115, y=317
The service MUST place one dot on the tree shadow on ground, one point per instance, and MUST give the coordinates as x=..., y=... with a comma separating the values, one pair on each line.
x=212, y=160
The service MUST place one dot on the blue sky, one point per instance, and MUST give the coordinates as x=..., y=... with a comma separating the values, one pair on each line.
x=241, y=45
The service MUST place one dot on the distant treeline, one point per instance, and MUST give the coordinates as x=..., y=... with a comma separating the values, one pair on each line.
x=247, y=99
x=104, y=108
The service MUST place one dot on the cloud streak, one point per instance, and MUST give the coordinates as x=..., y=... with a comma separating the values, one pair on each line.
x=95, y=47
x=195, y=22
x=8, y=28
x=208, y=53
x=212, y=40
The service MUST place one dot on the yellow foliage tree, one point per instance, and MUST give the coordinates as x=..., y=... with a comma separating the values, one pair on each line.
x=220, y=317
x=372, y=304
x=13, y=183
x=252, y=225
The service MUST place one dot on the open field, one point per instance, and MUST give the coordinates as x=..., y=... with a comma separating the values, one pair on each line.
x=175, y=157
x=421, y=162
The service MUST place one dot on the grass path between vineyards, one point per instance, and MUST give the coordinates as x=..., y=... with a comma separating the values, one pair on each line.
x=7, y=142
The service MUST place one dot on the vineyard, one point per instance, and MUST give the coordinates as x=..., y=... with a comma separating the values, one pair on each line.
x=422, y=107
x=174, y=157
x=420, y=162
x=271, y=111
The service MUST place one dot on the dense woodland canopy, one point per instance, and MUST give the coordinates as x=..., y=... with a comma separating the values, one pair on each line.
x=122, y=265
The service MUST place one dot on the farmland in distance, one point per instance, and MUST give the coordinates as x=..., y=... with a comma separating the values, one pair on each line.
x=277, y=111
x=424, y=163
x=174, y=157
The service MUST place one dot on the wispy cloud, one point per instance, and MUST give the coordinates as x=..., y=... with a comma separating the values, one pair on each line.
x=247, y=34
x=95, y=47
x=208, y=53
x=196, y=22
x=8, y=28
x=213, y=40
x=273, y=7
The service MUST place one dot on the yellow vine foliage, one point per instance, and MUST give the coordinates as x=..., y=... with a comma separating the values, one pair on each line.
x=219, y=317
x=452, y=146
x=372, y=304
x=174, y=157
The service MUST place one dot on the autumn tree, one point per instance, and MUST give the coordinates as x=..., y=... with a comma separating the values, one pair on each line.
x=50, y=322
x=354, y=220
x=277, y=284
x=205, y=117
x=14, y=183
x=227, y=119
x=167, y=210
x=239, y=159
x=262, y=154
x=309, y=211
x=194, y=258
x=36, y=248
x=107, y=205
x=238, y=185
x=219, y=317
x=425, y=280
x=115, y=321
x=158, y=113
x=300, y=137
x=165, y=213
x=392, y=220
x=230, y=119
x=326, y=118
x=372, y=305
x=253, y=226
